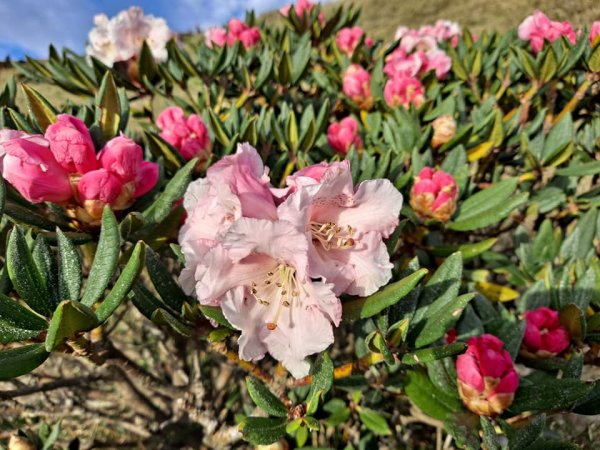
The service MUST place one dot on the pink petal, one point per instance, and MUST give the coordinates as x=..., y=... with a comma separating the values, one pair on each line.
x=467, y=371
x=146, y=178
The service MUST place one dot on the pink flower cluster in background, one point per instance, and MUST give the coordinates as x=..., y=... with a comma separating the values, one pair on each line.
x=487, y=380
x=237, y=30
x=595, y=32
x=300, y=8
x=188, y=135
x=121, y=37
x=276, y=260
x=62, y=167
x=343, y=134
x=356, y=84
x=544, y=335
x=348, y=39
x=538, y=28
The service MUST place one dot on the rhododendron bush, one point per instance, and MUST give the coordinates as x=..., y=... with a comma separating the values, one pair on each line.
x=324, y=239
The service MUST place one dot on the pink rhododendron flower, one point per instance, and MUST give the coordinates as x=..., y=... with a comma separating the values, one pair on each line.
x=30, y=167
x=348, y=39
x=356, y=84
x=595, y=32
x=121, y=38
x=189, y=135
x=260, y=274
x=487, y=379
x=415, y=42
x=446, y=30
x=237, y=31
x=538, y=27
x=544, y=335
x=345, y=226
x=439, y=61
x=401, y=64
x=403, y=91
x=433, y=195
x=71, y=144
x=302, y=7
x=343, y=134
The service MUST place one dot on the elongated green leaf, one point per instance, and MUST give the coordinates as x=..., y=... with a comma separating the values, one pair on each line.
x=25, y=276
x=265, y=399
x=322, y=380
x=108, y=105
x=164, y=317
x=490, y=438
x=263, y=430
x=433, y=353
x=580, y=170
x=362, y=308
x=217, y=128
x=124, y=283
x=494, y=195
x=174, y=190
x=21, y=360
x=216, y=314
x=39, y=108
x=440, y=318
x=47, y=266
x=490, y=215
x=428, y=398
x=374, y=421
x=18, y=322
x=165, y=285
x=69, y=319
x=468, y=250
x=105, y=260
x=549, y=395
x=69, y=274
x=159, y=147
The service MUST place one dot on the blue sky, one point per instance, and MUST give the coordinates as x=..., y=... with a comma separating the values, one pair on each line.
x=27, y=27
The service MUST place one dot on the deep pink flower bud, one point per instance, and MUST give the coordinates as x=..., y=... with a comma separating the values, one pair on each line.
x=487, y=379
x=188, y=135
x=544, y=335
x=250, y=37
x=71, y=144
x=348, y=39
x=341, y=135
x=433, y=195
x=404, y=91
x=30, y=167
x=97, y=189
x=595, y=32
x=356, y=84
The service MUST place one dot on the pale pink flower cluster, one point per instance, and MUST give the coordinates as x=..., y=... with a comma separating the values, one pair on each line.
x=442, y=30
x=121, y=37
x=62, y=167
x=189, y=135
x=276, y=260
x=236, y=31
x=300, y=8
x=348, y=39
x=538, y=28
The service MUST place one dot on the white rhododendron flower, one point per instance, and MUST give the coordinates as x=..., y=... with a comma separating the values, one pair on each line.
x=121, y=37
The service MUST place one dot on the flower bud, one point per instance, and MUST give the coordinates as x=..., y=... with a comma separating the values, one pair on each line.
x=404, y=91
x=342, y=135
x=348, y=39
x=595, y=33
x=188, y=135
x=487, y=379
x=444, y=129
x=29, y=166
x=97, y=189
x=433, y=195
x=71, y=144
x=215, y=36
x=544, y=335
x=356, y=84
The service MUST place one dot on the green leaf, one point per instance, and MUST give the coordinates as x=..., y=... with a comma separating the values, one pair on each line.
x=263, y=430
x=549, y=395
x=47, y=266
x=105, y=259
x=108, y=113
x=322, y=381
x=580, y=170
x=440, y=317
x=468, y=250
x=69, y=274
x=217, y=128
x=161, y=148
x=594, y=60
x=21, y=360
x=146, y=63
x=174, y=190
x=123, y=284
x=285, y=69
x=301, y=58
x=432, y=401
x=216, y=314
x=374, y=421
x=590, y=403
x=549, y=65
x=164, y=317
x=490, y=438
x=433, y=353
x=17, y=322
x=386, y=297
x=560, y=135
x=69, y=319
x=521, y=438
x=265, y=399
x=488, y=206
x=579, y=242
x=25, y=276
x=165, y=285
x=39, y=108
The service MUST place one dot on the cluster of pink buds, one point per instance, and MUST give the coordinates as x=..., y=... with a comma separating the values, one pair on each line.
x=348, y=39
x=237, y=31
x=544, y=335
x=538, y=28
x=344, y=134
x=433, y=195
x=189, y=135
x=356, y=85
x=62, y=167
x=301, y=8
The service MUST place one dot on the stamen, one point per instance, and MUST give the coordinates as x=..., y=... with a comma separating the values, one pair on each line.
x=332, y=236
